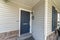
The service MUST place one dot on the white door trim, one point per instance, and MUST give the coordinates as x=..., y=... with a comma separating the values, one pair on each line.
x=20, y=19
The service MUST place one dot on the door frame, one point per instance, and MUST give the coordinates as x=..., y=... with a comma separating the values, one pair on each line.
x=20, y=19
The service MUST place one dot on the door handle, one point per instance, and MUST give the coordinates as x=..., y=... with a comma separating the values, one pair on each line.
x=25, y=23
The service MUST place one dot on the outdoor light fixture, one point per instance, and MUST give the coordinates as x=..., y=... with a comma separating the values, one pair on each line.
x=32, y=16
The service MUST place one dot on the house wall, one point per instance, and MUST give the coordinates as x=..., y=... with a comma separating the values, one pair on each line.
x=9, y=20
x=50, y=34
x=9, y=16
x=38, y=22
x=49, y=16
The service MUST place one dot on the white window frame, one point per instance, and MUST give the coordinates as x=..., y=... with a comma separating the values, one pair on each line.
x=20, y=19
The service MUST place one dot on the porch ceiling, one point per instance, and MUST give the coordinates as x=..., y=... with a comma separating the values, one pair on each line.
x=57, y=2
x=30, y=3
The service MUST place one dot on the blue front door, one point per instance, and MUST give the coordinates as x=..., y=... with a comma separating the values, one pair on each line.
x=25, y=22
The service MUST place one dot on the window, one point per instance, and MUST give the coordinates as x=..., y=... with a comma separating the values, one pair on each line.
x=54, y=18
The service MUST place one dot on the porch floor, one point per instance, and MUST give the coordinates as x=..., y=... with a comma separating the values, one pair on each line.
x=58, y=38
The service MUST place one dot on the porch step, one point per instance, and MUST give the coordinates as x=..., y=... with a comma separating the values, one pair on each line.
x=26, y=37
x=30, y=38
